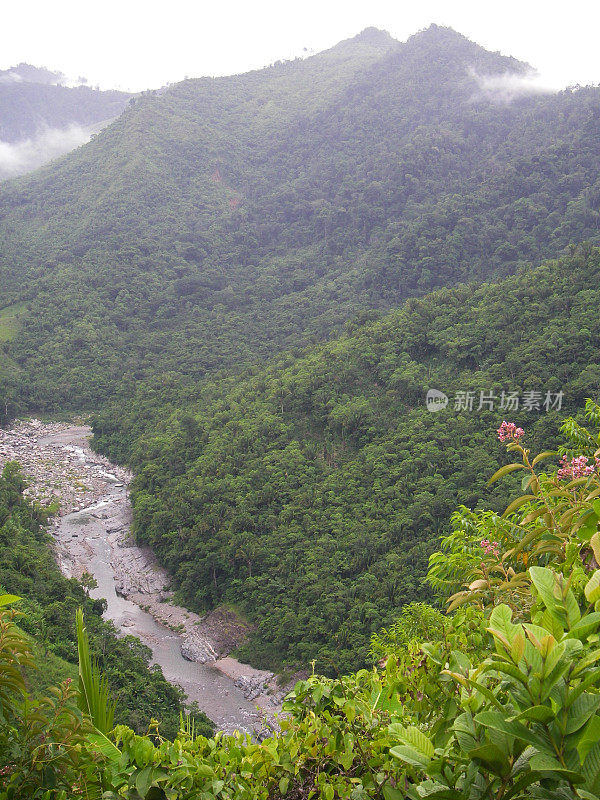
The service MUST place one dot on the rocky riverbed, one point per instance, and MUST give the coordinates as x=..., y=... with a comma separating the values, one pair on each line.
x=92, y=535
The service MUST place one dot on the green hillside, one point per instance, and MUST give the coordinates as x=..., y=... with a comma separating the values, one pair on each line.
x=222, y=219
x=32, y=98
x=312, y=492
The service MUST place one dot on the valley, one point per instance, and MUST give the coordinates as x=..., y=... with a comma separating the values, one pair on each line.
x=91, y=534
x=242, y=557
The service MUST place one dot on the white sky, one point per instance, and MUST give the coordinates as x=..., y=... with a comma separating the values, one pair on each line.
x=139, y=44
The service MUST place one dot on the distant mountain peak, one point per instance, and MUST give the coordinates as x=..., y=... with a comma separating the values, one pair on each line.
x=374, y=36
x=28, y=73
x=442, y=36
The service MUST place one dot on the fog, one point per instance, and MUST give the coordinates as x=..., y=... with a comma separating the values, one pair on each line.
x=509, y=86
x=16, y=158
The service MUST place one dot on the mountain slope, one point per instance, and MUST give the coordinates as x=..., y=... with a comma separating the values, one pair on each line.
x=310, y=493
x=32, y=98
x=224, y=218
x=41, y=119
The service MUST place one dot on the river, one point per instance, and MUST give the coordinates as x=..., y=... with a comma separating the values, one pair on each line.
x=92, y=535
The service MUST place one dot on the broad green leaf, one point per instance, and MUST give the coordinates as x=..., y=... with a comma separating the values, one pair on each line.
x=536, y=714
x=417, y=739
x=588, y=737
x=506, y=470
x=497, y=721
x=586, y=625
x=581, y=710
x=592, y=588
x=143, y=780
x=492, y=758
x=410, y=756
x=7, y=599
x=546, y=763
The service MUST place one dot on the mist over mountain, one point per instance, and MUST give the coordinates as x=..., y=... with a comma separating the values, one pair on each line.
x=224, y=218
x=221, y=221
x=253, y=286
x=43, y=115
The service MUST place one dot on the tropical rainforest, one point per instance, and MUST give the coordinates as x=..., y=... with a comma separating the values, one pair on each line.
x=252, y=283
x=497, y=698
x=33, y=98
x=312, y=492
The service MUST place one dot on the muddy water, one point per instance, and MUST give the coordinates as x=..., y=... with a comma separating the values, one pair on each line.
x=215, y=694
x=88, y=538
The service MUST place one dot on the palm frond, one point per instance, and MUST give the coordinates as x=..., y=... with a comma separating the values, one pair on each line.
x=94, y=695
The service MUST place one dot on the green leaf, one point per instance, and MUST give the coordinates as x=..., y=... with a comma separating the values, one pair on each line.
x=589, y=737
x=391, y=793
x=541, y=762
x=543, y=456
x=581, y=710
x=586, y=625
x=544, y=580
x=498, y=722
x=143, y=780
x=492, y=758
x=7, y=599
x=536, y=714
x=506, y=470
x=410, y=756
x=520, y=501
x=592, y=588
x=413, y=736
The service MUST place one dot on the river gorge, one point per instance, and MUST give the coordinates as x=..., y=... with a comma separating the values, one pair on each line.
x=91, y=535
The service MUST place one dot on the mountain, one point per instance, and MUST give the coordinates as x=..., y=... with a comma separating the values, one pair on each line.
x=309, y=494
x=41, y=117
x=223, y=219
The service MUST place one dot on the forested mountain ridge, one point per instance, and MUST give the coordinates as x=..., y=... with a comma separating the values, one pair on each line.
x=32, y=98
x=310, y=493
x=222, y=219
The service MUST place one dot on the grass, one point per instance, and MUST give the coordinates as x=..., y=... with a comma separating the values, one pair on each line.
x=10, y=321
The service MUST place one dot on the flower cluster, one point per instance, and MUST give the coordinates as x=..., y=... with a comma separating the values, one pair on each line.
x=490, y=547
x=577, y=467
x=508, y=432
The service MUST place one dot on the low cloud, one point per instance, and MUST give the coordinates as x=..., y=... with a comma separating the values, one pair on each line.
x=17, y=158
x=509, y=86
x=10, y=77
x=27, y=73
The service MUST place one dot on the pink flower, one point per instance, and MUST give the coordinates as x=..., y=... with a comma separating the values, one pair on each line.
x=508, y=432
x=490, y=547
x=577, y=467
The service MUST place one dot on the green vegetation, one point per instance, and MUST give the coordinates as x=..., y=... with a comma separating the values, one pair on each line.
x=27, y=568
x=498, y=699
x=34, y=101
x=10, y=321
x=224, y=219
x=312, y=492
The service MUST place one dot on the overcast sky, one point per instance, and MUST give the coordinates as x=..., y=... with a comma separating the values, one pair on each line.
x=135, y=44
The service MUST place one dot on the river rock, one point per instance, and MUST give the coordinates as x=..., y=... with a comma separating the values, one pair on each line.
x=252, y=687
x=196, y=649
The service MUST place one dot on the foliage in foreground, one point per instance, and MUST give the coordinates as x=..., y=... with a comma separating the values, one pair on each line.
x=502, y=703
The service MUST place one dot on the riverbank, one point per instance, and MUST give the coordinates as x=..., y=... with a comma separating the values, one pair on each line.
x=92, y=535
